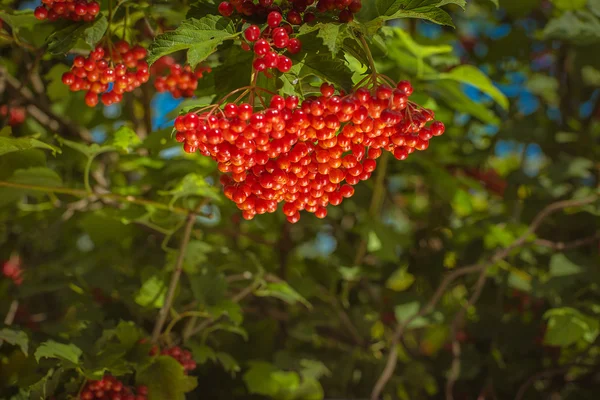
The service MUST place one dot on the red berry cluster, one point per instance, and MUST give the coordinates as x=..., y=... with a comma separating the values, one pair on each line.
x=273, y=36
x=110, y=388
x=183, y=357
x=16, y=115
x=74, y=10
x=122, y=66
x=180, y=81
x=12, y=270
x=302, y=155
x=297, y=11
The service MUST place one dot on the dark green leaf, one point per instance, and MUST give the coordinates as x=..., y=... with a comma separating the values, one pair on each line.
x=282, y=291
x=567, y=326
x=577, y=27
x=68, y=353
x=10, y=144
x=166, y=379
x=200, y=37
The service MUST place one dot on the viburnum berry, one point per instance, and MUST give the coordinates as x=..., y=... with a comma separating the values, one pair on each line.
x=124, y=67
x=74, y=10
x=111, y=388
x=180, y=81
x=274, y=19
x=310, y=155
x=16, y=114
x=225, y=9
x=252, y=33
x=12, y=270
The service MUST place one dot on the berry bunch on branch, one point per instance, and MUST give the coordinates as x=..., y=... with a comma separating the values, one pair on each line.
x=179, y=80
x=73, y=10
x=108, y=72
x=307, y=155
x=296, y=11
x=110, y=388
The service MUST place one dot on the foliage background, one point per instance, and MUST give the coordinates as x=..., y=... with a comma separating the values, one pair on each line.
x=314, y=310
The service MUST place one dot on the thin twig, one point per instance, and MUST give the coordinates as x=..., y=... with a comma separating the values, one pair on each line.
x=392, y=359
x=458, y=320
x=164, y=311
x=562, y=246
x=10, y=315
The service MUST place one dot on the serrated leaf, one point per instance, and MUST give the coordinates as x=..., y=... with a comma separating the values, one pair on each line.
x=10, y=144
x=461, y=3
x=125, y=139
x=68, y=353
x=395, y=9
x=63, y=40
x=315, y=59
x=229, y=309
x=202, y=353
x=282, y=291
x=228, y=362
x=200, y=37
x=332, y=35
x=166, y=379
x=15, y=338
x=474, y=77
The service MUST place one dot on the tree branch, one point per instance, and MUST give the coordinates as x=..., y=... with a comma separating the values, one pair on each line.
x=392, y=360
x=164, y=311
x=563, y=246
x=107, y=196
x=33, y=100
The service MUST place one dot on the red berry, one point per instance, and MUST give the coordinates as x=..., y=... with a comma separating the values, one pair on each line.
x=294, y=46
x=274, y=19
x=252, y=33
x=225, y=9
x=41, y=13
x=261, y=47
x=284, y=64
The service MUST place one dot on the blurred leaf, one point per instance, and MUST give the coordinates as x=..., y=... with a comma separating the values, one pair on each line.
x=208, y=287
x=258, y=379
x=419, y=50
x=404, y=312
x=474, y=77
x=229, y=309
x=15, y=338
x=152, y=293
x=567, y=326
x=125, y=139
x=560, y=265
x=46, y=386
x=228, y=362
x=282, y=291
x=68, y=353
x=202, y=353
x=9, y=144
x=578, y=27
x=191, y=185
x=166, y=379
x=569, y=4
x=400, y=280
x=462, y=203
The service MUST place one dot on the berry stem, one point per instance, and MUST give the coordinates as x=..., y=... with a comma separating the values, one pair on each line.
x=370, y=58
x=196, y=314
x=86, y=175
x=164, y=311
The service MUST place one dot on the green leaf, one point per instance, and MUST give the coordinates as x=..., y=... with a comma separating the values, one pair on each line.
x=202, y=353
x=196, y=254
x=200, y=37
x=282, y=291
x=68, y=353
x=63, y=40
x=208, y=287
x=227, y=308
x=152, y=293
x=404, y=312
x=90, y=151
x=332, y=35
x=560, y=265
x=18, y=19
x=166, y=379
x=315, y=59
x=474, y=77
x=46, y=387
x=258, y=379
x=125, y=139
x=16, y=338
x=57, y=90
x=34, y=176
x=10, y=144
x=228, y=362
x=578, y=27
x=569, y=4
x=419, y=50
x=400, y=280
x=594, y=6
x=567, y=326
x=192, y=185
x=395, y=9
x=461, y=3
